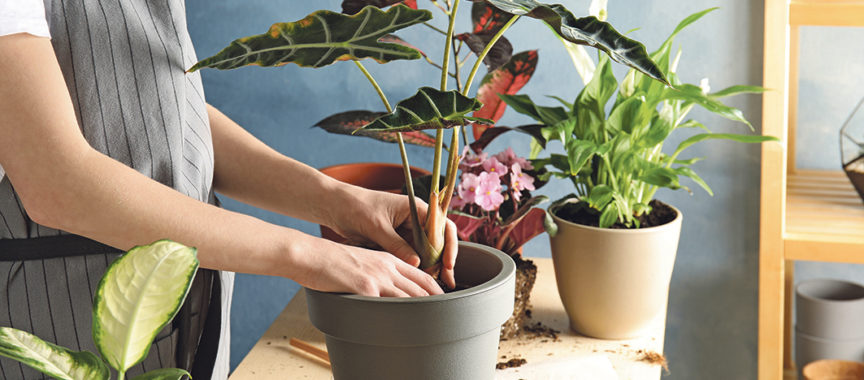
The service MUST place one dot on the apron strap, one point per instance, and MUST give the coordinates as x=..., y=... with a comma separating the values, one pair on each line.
x=50, y=247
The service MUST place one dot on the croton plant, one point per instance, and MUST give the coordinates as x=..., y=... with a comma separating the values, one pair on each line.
x=364, y=29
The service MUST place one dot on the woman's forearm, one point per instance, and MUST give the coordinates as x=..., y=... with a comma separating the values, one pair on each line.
x=249, y=171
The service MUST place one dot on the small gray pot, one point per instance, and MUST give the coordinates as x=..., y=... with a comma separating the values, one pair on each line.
x=448, y=336
x=809, y=348
x=830, y=309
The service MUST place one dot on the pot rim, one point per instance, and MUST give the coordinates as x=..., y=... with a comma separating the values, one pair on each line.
x=820, y=339
x=646, y=230
x=804, y=283
x=508, y=269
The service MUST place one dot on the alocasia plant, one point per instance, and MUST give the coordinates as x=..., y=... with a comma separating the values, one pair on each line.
x=325, y=37
x=614, y=156
x=139, y=294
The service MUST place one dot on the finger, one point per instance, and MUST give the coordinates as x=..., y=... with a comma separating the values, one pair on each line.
x=391, y=242
x=409, y=287
x=393, y=292
x=420, y=278
x=451, y=248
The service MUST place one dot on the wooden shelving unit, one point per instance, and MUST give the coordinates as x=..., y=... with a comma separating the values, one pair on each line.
x=804, y=214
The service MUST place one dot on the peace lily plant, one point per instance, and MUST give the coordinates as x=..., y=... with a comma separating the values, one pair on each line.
x=139, y=294
x=365, y=31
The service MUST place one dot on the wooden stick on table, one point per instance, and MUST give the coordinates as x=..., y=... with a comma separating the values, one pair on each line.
x=310, y=349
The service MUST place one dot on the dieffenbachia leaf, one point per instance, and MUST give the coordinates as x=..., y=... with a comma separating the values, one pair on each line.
x=351, y=7
x=50, y=359
x=138, y=295
x=322, y=38
x=487, y=19
x=585, y=31
x=349, y=123
x=507, y=80
x=497, y=56
x=164, y=374
x=428, y=109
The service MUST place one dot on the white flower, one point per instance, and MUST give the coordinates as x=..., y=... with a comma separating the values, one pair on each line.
x=703, y=84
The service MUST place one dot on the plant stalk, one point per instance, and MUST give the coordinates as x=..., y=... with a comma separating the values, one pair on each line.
x=485, y=51
x=446, y=62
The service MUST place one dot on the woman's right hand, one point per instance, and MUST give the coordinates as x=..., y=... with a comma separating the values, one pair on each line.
x=346, y=269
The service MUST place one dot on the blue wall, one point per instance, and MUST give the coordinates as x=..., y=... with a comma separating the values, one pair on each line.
x=711, y=330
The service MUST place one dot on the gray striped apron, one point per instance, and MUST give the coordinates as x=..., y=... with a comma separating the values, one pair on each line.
x=123, y=62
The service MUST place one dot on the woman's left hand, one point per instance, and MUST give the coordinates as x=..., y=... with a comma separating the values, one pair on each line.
x=379, y=219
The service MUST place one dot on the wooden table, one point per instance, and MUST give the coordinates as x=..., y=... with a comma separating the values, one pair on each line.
x=273, y=358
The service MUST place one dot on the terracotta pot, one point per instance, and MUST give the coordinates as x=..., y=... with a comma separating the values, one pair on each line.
x=447, y=336
x=370, y=175
x=614, y=282
x=834, y=370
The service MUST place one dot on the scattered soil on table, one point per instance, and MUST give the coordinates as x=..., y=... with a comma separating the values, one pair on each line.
x=652, y=357
x=580, y=213
x=526, y=275
x=539, y=330
x=512, y=363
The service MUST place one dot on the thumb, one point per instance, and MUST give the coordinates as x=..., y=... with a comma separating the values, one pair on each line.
x=391, y=242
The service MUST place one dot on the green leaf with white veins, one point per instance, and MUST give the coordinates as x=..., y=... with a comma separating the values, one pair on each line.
x=52, y=360
x=585, y=31
x=322, y=38
x=139, y=294
x=428, y=109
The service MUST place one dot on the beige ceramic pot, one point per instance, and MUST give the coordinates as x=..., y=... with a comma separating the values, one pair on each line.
x=614, y=283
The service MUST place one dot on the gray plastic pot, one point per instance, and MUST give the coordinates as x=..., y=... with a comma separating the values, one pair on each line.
x=449, y=336
x=613, y=282
x=830, y=309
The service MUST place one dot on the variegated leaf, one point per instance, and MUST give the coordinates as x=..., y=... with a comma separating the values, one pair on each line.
x=506, y=80
x=139, y=294
x=585, y=31
x=164, y=374
x=50, y=359
x=348, y=123
x=322, y=38
x=428, y=109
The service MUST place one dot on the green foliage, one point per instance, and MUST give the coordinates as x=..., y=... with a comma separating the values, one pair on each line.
x=322, y=38
x=587, y=31
x=52, y=360
x=428, y=109
x=616, y=160
x=138, y=295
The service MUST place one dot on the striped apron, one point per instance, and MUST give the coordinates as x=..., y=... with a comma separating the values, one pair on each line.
x=123, y=62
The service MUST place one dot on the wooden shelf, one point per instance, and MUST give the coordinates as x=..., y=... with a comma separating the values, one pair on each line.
x=826, y=12
x=824, y=218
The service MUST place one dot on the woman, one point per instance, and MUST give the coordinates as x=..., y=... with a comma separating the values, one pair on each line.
x=105, y=143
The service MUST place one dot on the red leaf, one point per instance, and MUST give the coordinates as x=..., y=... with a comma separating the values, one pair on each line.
x=466, y=225
x=410, y=3
x=487, y=19
x=507, y=79
x=346, y=123
x=526, y=229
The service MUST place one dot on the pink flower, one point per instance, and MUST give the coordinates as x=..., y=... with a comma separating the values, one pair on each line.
x=508, y=157
x=467, y=188
x=471, y=160
x=488, y=193
x=520, y=181
x=492, y=165
x=456, y=203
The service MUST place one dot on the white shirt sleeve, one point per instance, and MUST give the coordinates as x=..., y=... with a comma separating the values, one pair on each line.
x=23, y=16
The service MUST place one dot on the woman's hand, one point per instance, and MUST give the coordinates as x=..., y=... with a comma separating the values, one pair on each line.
x=378, y=219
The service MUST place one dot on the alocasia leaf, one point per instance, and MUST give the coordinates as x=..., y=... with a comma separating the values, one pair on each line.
x=52, y=360
x=322, y=38
x=164, y=374
x=487, y=19
x=428, y=109
x=394, y=39
x=351, y=7
x=138, y=295
x=585, y=31
x=507, y=80
x=349, y=123
x=497, y=56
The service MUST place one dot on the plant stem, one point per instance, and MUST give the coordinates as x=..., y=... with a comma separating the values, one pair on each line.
x=446, y=62
x=433, y=27
x=377, y=87
x=416, y=227
x=485, y=52
x=121, y=375
x=456, y=61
